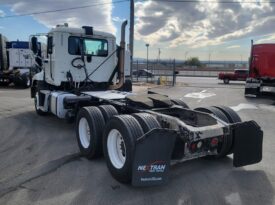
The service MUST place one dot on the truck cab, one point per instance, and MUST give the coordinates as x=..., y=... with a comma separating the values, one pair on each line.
x=17, y=62
x=261, y=70
x=237, y=75
x=78, y=56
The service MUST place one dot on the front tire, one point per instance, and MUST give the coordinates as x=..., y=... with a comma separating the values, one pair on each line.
x=23, y=81
x=226, y=81
x=119, y=142
x=26, y=80
x=90, y=124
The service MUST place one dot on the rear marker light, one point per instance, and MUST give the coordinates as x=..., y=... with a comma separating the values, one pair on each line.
x=214, y=141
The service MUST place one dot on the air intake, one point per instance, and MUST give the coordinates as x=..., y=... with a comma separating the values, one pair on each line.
x=88, y=30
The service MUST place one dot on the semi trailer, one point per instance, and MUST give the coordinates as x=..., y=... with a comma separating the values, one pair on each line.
x=261, y=79
x=85, y=80
x=17, y=62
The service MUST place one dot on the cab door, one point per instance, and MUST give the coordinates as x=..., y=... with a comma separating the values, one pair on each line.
x=95, y=52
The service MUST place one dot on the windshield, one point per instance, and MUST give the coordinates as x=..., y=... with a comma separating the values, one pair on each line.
x=94, y=47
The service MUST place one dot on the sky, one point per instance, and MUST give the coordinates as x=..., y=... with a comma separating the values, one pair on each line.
x=208, y=30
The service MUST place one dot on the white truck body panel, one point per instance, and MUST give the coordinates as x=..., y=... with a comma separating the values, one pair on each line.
x=21, y=58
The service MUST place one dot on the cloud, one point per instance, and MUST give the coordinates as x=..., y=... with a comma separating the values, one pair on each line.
x=232, y=47
x=98, y=16
x=200, y=24
x=266, y=39
x=117, y=19
x=2, y=13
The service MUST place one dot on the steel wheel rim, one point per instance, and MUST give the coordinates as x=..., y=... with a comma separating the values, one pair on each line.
x=84, y=132
x=116, y=148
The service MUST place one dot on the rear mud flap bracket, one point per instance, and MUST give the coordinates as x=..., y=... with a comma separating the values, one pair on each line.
x=152, y=157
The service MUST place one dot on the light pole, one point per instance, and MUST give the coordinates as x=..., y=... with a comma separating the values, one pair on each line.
x=159, y=55
x=131, y=36
x=186, y=53
x=147, y=45
x=209, y=58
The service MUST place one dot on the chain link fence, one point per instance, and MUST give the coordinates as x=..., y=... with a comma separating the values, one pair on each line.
x=165, y=73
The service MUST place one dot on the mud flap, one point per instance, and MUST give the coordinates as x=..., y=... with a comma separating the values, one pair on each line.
x=248, y=142
x=152, y=157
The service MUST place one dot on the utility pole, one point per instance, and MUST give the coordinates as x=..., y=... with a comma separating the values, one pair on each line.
x=131, y=36
x=185, y=55
x=147, y=45
x=174, y=73
x=159, y=55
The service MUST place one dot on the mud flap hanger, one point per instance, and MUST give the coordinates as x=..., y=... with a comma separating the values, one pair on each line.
x=152, y=157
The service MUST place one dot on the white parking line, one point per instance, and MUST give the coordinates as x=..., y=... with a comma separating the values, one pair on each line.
x=245, y=106
x=201, y=95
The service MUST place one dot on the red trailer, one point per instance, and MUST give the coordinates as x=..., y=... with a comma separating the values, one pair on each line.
x=261, y=78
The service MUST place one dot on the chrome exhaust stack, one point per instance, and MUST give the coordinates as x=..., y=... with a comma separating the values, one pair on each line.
x=121, y=59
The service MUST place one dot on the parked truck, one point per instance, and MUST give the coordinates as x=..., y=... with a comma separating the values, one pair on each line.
x=85, y=79
x=17, y=62
x=261, y=80
x=237, y=75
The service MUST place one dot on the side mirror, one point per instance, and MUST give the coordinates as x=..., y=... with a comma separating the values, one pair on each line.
x=34, y=47
x=50, y=45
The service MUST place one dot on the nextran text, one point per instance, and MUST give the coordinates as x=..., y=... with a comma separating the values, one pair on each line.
x=152, y=168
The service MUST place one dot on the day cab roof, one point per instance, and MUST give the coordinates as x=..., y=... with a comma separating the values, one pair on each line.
x=80, y=31
x=265, y=47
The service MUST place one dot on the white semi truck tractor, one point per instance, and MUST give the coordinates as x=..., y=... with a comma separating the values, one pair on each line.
x=84, y=79
x=17, y=62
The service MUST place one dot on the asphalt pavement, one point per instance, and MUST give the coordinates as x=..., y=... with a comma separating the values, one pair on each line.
x=40, y=161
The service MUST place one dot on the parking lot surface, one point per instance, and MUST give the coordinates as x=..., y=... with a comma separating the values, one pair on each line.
x=40, y=161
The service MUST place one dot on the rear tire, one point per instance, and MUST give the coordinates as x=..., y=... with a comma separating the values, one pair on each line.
x=232, y=116
x=180, y=103
x=147, y=121
x=215, y=111
x=5, y=83
x=119, y=142
x=108, y=111
x=225, y=147
x=89, y=129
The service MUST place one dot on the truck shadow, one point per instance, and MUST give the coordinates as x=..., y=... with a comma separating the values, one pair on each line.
x=82, y=181
x=194, y=182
